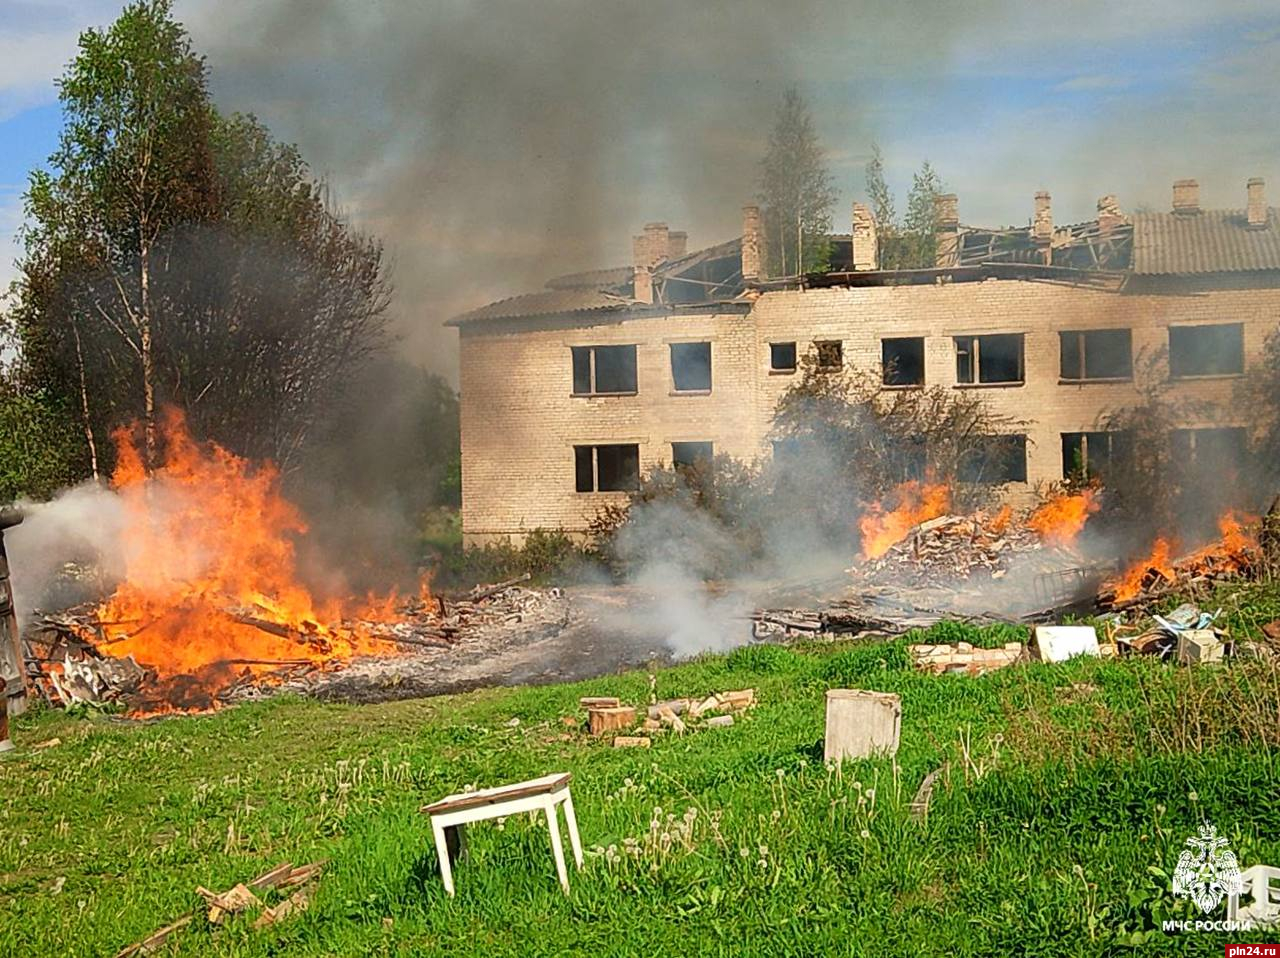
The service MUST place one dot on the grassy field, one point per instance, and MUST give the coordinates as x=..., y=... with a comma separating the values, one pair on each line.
x=1071, y=791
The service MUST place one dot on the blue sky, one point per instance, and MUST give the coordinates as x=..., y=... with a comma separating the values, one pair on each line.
x=493, y=142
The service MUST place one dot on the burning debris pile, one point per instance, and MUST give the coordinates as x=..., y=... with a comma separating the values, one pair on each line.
x=1235, y=555
x=920, y=543
x=210, y=607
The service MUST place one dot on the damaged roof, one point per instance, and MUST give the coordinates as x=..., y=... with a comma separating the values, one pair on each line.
x=1210, y=241
x=593, y=279
x=546, y=303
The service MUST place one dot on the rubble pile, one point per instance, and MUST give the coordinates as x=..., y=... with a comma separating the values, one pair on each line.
x=943, y=550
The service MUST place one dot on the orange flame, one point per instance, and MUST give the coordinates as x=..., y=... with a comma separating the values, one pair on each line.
x=1060, y=520
x=1231, y=551
x=915, y=503
x=1158, y=562
x=210, y=585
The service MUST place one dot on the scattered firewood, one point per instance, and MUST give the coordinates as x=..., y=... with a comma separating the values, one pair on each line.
x=599, y=702
x=295, y=903
x=674, y=706
x=230, y=902
x=924, y=794
x=239, y=898
x=670, y=718
x=480, y=593
x=720, y=721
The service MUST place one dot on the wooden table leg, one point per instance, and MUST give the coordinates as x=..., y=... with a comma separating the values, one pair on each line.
x=557, y=849
x=442, y=853
x=572, y=821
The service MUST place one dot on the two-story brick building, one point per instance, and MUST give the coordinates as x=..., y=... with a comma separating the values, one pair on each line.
x=569, y=394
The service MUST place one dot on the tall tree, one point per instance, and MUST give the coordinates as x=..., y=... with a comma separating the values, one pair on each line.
x=921, y=220
x=133, y=162
x=797, y=192
x=174, y=255
x=882, y=207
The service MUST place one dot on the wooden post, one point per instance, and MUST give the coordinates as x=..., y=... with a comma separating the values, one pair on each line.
x=861, y=724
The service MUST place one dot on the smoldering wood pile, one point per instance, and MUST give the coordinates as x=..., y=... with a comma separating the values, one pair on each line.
x=952, y=549
x=1194, y=574
x=69, y=661
x=877, y=612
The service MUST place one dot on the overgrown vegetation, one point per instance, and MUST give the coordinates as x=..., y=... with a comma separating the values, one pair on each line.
x=911, y=243
x=1068, y=794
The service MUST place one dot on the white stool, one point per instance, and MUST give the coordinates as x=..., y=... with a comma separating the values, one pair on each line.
x=544, y=793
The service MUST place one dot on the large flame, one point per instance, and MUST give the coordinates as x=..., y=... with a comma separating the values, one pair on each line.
x=1060, y=520
x=210, y=583
x=1232, y=551
x=913, y=503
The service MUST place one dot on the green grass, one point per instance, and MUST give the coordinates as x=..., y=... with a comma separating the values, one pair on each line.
x=1054, y=836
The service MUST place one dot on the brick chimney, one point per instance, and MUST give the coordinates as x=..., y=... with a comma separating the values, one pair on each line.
x=866, y=249
x=752, y=244
x=1256, y=212
x=677, y=244
x=1109, y=215
x=649, y=250
x=1186, y=197
x=1042, y=220
x=946, y=209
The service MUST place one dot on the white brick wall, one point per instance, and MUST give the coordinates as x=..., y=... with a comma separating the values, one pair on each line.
x=520, y=420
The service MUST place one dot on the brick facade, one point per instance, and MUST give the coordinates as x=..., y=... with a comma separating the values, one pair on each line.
x=520, y=419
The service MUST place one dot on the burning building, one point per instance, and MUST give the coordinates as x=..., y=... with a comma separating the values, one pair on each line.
x=570, y=393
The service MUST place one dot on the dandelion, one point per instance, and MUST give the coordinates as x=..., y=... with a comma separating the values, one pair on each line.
x=1193, y=796
x=776, y=814
x=1160, y=809
x=871, y=794
x=865, y=834
x=764, y=851
x=780, y=773
x=744, y=851
x=627, y=782
x=857, y=786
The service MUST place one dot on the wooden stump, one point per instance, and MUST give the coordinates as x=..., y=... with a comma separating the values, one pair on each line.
x=861, y=724
x=614, y=719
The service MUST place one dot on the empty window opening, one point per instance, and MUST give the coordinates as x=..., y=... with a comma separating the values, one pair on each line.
x=691, y=455
x=994, y=460
x=613, y=468
x=691, y=367
x=1220, y=449
x=830, y=353
x=1093, y=454
x=902, y=361
x=603, y=370
x=782, y=357
x=1096, y=354
x=1206, y=350
x=989, y=359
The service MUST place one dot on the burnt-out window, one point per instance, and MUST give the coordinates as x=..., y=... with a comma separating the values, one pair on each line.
x=1220, y=448
x=691, y=367
x=993, y=460
x=994, y=359
x=1096, y=354
x=601, y=370
x=782, y=357
x=613, y=468
x=830, y=353
x=902, y=361
x=686, y=455
x=1206, y=350
x=1093, y=454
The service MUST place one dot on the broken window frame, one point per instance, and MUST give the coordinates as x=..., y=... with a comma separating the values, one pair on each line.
x=825, y=350
x=1177, y=333
x=1081, y=338
x=890, y=370
x=969, y=346
x=587, y=458
x=576, y=352
x=1099, y=452
x=773, y=356
x=697, y=390
x=1015, y=456
x=697, y=461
